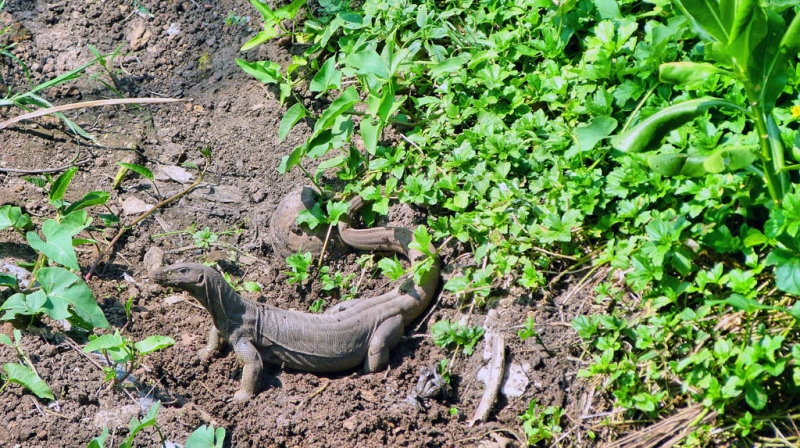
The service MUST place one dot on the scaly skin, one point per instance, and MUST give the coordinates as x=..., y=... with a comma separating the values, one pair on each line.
x=356, y=332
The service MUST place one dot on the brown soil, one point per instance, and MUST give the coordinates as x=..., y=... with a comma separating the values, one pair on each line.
x=237, y=118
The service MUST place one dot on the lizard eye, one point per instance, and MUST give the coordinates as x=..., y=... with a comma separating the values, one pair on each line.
x=182, y=271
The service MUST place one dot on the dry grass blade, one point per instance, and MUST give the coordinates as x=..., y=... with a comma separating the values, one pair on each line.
x=52, y=110
x=667, y=432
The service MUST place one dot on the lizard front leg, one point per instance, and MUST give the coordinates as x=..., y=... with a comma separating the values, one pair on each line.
x=213, y=345
x=251, y=373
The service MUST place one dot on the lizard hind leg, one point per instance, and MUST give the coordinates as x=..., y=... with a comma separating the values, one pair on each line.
x=251, y=374
x=386, y=337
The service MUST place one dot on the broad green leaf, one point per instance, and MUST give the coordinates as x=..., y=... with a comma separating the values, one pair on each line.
x=312, y=218
x=89, y=199
x=58, y=246
x=755, y=395
x=104, y=342
x=206, y=437
x=685, y=73
x=60, y=185
x=422, y=241
x=287, y=162
x=339, y=106
x=154, y=343
x=251, y=286
x=26, y=305
x=267, y=72
x=139, y=169
x=75, y=221
x=27, y=378
x=769, y=62
x=787, y=270
x=707, y=15
x=147, y=421
x=729, y=159
x=332, y=163
x=450, y=65
x=264, y=35
x=736, y=16
x=60, y=284
x=608, y=9
x=456, y=284
x=588, y=136
x=11, y=216
x=8, y=280
x=370, y=133
x=648, y=134
x=327, y=78
x=368, y=62
x=291, y=118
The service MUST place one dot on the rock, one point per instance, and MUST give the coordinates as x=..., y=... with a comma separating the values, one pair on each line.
x=116, y=418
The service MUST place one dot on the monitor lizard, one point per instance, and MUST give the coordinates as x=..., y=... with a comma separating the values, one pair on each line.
x=352, y=333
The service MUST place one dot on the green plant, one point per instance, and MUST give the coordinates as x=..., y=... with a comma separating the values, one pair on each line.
x=527, y=330
x=336, y=283
x=60, y=294
x=25, y=373
x=298, y=267
x=206, y=437
x=234, y=19
x=204, y=238
x=540, y=425
x=122, y=351
x=511, y=119
x=448, y=334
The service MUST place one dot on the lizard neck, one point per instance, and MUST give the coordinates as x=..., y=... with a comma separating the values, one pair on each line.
x=221, y=300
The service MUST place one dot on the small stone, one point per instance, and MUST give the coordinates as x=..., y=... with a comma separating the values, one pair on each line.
x=258, y=196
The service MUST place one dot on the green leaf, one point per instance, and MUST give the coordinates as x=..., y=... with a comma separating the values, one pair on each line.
x=288, y=12
x=450, y=65
x=339, y=106
x=287, y=162
x=312, y=218
x=99, y=441
x=290, y=118
x=422, y=241
x=336, y=210
x=648, y=133
x=264, y=35
x=456, y=284
x=370, y=133
x=787, y=270
x=327, y=78
x=11, y=216
x=74, y=222
x=736, y=16
x=58, y=246
x=251, y=286
x=368, y=62
x=147, y=421
x=104, y=342
x=755, y=395
x=27, y=378
x=60, y=185
x=62, y=285
x=707, y=15
x=267, y=14
x=686, y=73
x=8, y=280
x=26, y=305
x=391, y=268
x=89, y=199
x=139, y=169
x=206, y=437
x=154, y=343
x=588, y=136
x=267, y=72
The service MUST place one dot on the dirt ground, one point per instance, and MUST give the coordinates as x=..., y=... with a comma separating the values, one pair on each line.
x=184, y=49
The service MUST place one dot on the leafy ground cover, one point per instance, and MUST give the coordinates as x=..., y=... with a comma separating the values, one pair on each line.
x=654, y=143
x=646, y=149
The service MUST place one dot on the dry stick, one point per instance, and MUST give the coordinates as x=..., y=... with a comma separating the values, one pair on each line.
x=52, y=110
x=144, y=216
x=494, y=382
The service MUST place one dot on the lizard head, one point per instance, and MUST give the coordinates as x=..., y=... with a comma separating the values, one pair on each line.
x=187, y=276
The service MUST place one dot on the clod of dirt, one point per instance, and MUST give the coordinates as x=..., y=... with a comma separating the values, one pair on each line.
x=115, y=418
x=288, y=237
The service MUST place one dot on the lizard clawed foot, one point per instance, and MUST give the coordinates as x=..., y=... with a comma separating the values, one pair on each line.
x=205, y=354
x=241, y=396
